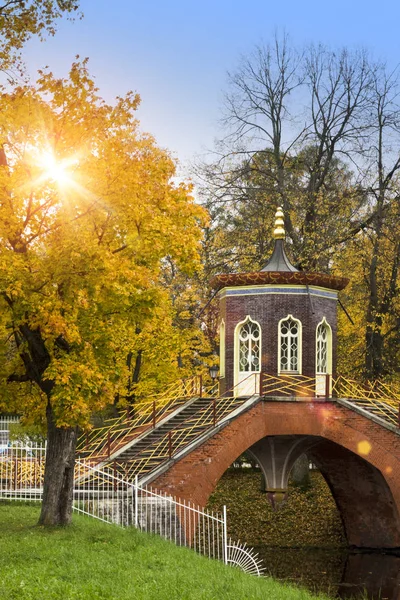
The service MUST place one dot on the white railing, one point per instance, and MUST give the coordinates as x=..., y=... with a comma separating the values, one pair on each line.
x=105, y=495
x=110, y=498
x=23, y=441
x=6, y=420
x=22, y=472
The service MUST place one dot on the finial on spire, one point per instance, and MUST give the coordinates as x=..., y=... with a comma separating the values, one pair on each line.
x=279, y=227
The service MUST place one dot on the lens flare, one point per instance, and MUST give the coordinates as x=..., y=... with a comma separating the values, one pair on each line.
x=364, y=448
x=55, y=170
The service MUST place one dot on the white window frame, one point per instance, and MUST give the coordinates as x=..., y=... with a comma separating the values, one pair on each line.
x=298, y=371
x=222, y=349
x=237, y=343
x=325, y=323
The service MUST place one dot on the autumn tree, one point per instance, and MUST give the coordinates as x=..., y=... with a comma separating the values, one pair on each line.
x=292, y=119
x=374, y=253
x=22, y=19
x=88, y=214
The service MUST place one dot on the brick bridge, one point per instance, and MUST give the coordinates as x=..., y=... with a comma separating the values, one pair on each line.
x=359, y=458
x=184, y=447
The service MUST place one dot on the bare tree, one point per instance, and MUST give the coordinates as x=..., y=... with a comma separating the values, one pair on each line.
x=292, y=118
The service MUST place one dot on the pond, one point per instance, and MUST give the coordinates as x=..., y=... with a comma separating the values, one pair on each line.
x=337, y=572
x=304, y=542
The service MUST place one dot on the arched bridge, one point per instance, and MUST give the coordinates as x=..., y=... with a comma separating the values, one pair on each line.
x=183, y=446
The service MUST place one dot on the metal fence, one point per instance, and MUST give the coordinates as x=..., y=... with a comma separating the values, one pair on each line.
x=5, y=422
x=110, y=498
x=107, y=496
x=22, y=472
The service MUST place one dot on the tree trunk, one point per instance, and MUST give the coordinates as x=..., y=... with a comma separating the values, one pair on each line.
x=59, y=473
x=374, y=352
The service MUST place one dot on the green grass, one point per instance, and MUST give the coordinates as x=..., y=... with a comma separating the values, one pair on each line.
x=91, y=560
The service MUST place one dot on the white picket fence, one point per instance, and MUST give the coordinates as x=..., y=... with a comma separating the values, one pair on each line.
x=105, y=495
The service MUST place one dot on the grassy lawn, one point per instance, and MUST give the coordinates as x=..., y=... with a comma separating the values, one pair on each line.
x=92, y=560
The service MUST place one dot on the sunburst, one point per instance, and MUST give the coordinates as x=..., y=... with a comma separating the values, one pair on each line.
x=53, y=169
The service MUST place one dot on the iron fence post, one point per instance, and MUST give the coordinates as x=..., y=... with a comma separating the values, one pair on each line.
x=225, y=535
x=154, y=414
x=136, y=500
x=115, y=475
x=214, y=412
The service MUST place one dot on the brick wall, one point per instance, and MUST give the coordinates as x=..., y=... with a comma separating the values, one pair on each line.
x=268, y=310
x=359, y=458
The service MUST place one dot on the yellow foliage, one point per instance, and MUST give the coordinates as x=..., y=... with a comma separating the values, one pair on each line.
x=82, y=249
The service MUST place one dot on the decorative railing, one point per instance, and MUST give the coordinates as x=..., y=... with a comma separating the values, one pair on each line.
x=181, y=436
x=22, y=471
x=110, y=498
x=287, y=385
x=175, y=440
x=376, y=397
x=108, y=440
x=101, y=442
x=368, y=390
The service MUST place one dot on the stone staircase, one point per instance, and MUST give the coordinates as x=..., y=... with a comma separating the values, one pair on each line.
x=143, y=445
x=156, y=446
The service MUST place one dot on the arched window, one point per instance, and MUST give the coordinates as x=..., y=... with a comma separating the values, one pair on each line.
x=222, y=349
x=290, y=345
x=323, y=348
x=249, y=338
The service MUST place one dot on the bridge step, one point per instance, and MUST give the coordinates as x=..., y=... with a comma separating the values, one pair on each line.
x=154, y=446
x=143, y=448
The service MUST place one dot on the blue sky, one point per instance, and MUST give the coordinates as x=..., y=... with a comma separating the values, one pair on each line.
x=175, y=54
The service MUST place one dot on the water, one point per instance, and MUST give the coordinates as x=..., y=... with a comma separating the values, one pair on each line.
x=337, y=572
x=310, y=521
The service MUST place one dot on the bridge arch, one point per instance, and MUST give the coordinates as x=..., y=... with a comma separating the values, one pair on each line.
x=359, y=459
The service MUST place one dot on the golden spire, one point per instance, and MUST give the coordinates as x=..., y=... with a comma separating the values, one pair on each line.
x=279, y=227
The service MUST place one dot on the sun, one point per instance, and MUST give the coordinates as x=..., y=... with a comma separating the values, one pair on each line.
x=55, y=170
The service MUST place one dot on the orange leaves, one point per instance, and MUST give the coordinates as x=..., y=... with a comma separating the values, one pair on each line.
x=81, y=266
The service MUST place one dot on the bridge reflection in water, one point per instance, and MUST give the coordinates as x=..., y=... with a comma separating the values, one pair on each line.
x=339, y=573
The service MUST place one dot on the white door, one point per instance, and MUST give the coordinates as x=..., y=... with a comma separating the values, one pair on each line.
x=323, y=384
x=248, y=358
